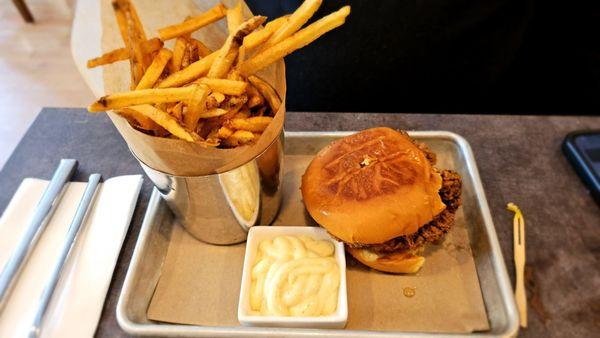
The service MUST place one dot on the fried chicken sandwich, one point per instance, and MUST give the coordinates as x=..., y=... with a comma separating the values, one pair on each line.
x=380, y=193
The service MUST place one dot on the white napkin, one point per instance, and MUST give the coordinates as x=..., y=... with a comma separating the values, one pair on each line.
x=77, y=303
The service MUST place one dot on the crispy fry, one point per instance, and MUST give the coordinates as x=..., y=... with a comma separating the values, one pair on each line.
x=122, y=16
x=213, y=113
x=136, y=20
x=228, y=87
x=138, y=97
x=267, y=91
x=295, y=22
x=253, y=124
x=155, y=70
x=136, y=54
x=193, y=24
x=261, y=111
x=108, y=58
x=141, y=34
x=208, y=97
x=224, y=132
x=228, y=53
x=142, y=121
x=187, y=56
x=300, y=39
x=177, y=111
x=255, y=99
x=233, y=105
x=166, y=121
x=203, y=51
x=243, y=113
x=196, y=106
x=214, y=100
x=149, y=46
x=235, y=102
x=235, y=17
x=239, y=137
x=178, y=51
x=241, y=55
x=193, y=50
x=234, y=75
x=260, y=36
x=189, y=74
x=120, y=9
x=129, y=23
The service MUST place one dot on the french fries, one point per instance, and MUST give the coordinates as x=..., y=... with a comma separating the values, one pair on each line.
x=193, y=24
x=294, y=23
x=164, y=120
x=228, y=53
x=155, y=70
x=136, y=55
x=254, y=97
x=192, y=72
x=239, y=137
x=136, y=19
x=144, y=96
x=121, y=8
x=196, y=106
x=267, y=91
x=203, y=51
x=235, y=17
x=149, y=46
x=300, y=39
x=141, y=120
x=255, y=124
x=177, y=111
x=213, y=113
x=214, y=100
x=178, y=51
x=195, y=94
x=260, y=36
x=228, y=87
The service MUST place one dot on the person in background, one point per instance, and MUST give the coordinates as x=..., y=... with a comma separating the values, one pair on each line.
x=496, y=56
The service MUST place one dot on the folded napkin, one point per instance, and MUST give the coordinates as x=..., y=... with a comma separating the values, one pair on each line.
x=77, y=302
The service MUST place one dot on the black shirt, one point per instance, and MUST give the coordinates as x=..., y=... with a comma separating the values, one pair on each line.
x=521, y=56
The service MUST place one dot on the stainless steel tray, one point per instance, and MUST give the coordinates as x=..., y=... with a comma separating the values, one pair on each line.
x=153, y=241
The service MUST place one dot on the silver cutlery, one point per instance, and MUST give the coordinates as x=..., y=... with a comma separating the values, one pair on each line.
x=66, y=249
x=43, y=212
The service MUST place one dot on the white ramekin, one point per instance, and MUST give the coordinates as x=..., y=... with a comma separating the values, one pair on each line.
x=255, y=236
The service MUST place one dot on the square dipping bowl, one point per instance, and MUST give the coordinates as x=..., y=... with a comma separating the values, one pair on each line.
x=256, y=235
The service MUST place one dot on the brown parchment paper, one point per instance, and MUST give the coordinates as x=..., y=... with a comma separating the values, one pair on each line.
x=174, y=156
x=200, y=283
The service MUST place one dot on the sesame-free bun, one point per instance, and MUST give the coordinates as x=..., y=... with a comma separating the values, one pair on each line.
x=372, y=186
x=403, y=262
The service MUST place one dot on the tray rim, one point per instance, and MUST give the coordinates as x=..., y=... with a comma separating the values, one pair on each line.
x=497, y=261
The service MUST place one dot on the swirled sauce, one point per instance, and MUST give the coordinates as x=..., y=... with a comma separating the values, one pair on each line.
x=294, y=276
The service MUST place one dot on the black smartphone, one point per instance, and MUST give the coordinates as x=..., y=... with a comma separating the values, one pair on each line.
x=582, y=149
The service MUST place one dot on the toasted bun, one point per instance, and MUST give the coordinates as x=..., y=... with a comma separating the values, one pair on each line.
x=394, y=263
x=371, y=187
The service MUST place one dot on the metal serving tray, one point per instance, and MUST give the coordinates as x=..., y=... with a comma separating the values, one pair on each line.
x=151, y=248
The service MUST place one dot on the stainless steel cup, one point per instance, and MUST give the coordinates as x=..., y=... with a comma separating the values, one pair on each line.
x=220, y=208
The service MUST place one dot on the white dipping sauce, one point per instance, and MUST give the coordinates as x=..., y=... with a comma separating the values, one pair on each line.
x=294, y=276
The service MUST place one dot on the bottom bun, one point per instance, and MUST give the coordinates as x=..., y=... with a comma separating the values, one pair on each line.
x=405, y=262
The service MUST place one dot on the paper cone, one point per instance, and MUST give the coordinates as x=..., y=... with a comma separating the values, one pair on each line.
x=171, y=156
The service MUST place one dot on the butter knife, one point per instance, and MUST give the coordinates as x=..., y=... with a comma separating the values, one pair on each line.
x=43, y=212
x=67, y=248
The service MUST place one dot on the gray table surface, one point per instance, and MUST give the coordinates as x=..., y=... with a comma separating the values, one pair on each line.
x=519, y=159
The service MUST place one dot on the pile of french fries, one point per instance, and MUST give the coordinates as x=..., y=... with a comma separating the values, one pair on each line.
x=199, y=95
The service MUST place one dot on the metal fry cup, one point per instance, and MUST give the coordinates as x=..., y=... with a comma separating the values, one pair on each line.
x=221, y=208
